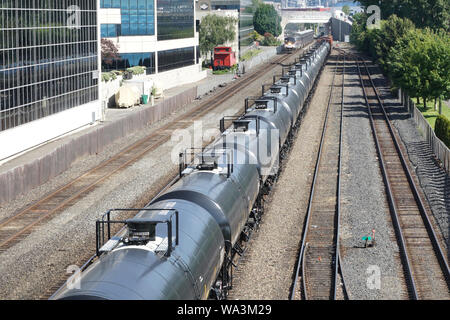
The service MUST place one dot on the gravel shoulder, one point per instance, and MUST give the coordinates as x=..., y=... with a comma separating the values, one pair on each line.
x=364, y=207
x=432, y=181
x=274, y=247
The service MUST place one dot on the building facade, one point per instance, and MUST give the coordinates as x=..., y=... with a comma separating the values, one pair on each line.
x=244, y=8
x=158, y=34
x=49, y=70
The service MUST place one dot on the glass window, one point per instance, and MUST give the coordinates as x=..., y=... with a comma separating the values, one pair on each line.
x=128, y=60
x=134, y=12
x=175, y=19
x=51, y=69
x=175, y=58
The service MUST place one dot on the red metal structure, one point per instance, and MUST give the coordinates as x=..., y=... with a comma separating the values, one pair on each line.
x=327, y=38
x=224, y=58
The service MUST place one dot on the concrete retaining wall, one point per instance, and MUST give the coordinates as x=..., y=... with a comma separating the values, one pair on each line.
x=22, y=179
x=213, y=82
x=264, y=56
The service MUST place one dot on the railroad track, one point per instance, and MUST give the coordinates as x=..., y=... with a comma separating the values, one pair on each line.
x=21, y=224
x=423, y=259
x=317, y=267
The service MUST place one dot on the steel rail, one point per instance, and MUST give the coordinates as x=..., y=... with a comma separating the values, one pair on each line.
x=304, y=244
x=407, y=261
x=389, y=194
x=338, y=202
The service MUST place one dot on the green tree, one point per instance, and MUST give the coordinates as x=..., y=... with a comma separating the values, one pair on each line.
x=420, y=64
x=358, y=35
x=392, y=30
x=442, y=129
x=266, y=19
x=346, y=9
x=215, y=30
x=434, y=14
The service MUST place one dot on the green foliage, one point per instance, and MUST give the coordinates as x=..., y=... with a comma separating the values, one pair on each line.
x=252, y=8
x=358, y=36
x=391, y=32
x=256, y=36
x=434, y=14
x=442, y=129
x=214, y=31
x=233, y=69
x=270, y=40
x=420, y=64
x=346, y=9
x=250, y=54
x=108, y=76
x=417, y=60
x=266, y=19
x=378, y=42
x=137, y=70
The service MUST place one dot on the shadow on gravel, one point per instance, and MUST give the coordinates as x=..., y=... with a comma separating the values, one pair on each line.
x=434, y=181
x=360, y=97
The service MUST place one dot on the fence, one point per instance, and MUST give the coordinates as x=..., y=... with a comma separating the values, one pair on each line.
x=23, y=178
x=440, y=150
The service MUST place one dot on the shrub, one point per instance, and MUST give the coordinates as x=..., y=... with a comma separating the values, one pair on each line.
x=267, y=19
x=136, y=70
x=442, y=129
x=270, y=40
x=106, y=76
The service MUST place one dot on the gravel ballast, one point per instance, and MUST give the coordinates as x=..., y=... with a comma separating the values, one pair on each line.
x=364, y=206
x=266, y=270
x=433, y=181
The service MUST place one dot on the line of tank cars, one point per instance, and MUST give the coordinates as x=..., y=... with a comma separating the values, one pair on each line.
x=182, y=244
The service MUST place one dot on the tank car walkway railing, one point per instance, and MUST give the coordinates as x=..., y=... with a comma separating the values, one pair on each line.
x=424, y=262
x=318, y=262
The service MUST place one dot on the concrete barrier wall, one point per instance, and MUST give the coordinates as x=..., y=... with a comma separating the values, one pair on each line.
x=22, y=179
x=264, y=56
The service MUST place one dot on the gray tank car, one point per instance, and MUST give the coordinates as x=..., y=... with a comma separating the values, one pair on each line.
x=180, y=246
x=133, y=266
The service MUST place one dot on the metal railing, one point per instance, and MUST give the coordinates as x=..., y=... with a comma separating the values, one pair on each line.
x=440, y=150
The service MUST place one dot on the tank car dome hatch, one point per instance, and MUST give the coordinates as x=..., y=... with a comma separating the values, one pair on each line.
x=140, y=230
x=240, y=125
x=275, y=89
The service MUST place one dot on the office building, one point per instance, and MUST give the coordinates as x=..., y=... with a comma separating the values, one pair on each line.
x=49, y=70
x=158, y=34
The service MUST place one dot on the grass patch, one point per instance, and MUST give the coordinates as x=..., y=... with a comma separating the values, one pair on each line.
x=250, y=54
x=430, y=114
x=224, y=71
